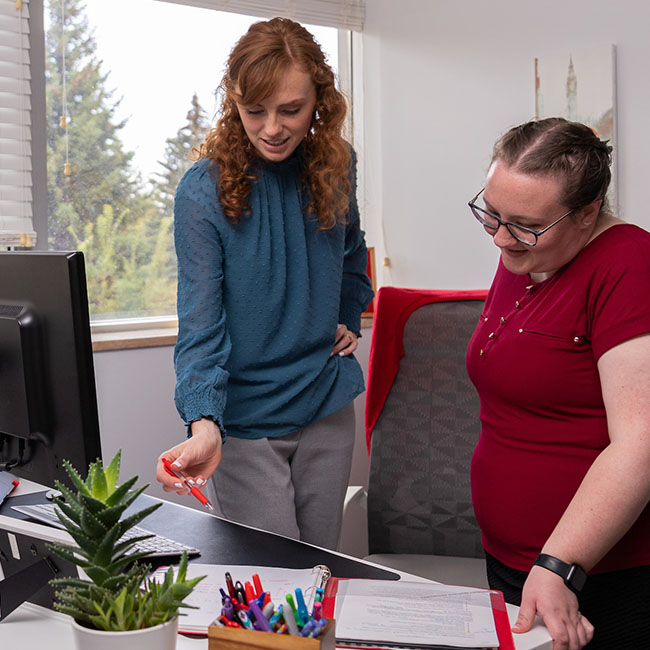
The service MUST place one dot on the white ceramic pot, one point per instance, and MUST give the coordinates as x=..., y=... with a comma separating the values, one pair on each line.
x=159, y=637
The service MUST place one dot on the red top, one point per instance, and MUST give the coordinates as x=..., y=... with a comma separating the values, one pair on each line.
x=394, y=306
x=533, y=361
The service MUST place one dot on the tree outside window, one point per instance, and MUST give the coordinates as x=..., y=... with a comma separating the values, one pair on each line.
x=107, y=206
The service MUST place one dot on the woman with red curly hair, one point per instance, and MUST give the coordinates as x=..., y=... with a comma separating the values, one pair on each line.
x=271, y=286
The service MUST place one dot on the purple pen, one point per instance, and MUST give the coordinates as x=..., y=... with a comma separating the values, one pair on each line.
x=259, y=620
x=228, y=610
x=309, y=627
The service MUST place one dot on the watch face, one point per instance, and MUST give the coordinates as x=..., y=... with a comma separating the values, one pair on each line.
x=576, y=578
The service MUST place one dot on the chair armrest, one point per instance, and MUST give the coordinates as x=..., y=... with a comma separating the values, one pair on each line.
x=354, y=526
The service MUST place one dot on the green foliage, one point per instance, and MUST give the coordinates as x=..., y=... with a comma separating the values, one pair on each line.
x=122, y=222
x=118, y=595
x=101, y=169
x=179, y=152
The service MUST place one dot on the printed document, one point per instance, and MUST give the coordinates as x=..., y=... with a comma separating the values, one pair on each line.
x=389, y=612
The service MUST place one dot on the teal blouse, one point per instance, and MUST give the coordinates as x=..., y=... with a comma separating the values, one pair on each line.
x=259, y=303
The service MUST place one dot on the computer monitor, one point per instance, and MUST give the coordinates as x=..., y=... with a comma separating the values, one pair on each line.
x=48, y=403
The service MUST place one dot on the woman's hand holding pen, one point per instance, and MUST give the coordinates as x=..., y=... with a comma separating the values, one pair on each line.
x=346, y=341
x=546, y=595
x=197, y=457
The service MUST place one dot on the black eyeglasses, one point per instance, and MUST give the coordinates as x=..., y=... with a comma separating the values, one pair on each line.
x=491, y=223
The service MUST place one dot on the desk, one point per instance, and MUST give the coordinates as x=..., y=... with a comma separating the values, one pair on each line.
x=32, y=627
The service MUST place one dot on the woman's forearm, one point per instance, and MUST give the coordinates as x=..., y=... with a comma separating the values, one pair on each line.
x=611, y=496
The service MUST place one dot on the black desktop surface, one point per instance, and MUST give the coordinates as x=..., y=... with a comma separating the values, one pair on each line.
x=224, y=542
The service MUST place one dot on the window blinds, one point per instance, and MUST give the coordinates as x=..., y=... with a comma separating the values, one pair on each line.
x=343, y=14
x=16, y=227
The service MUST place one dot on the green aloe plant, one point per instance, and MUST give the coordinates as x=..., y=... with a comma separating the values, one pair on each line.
x=118, y=595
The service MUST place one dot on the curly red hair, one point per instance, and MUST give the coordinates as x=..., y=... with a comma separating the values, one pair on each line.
x=255, y=66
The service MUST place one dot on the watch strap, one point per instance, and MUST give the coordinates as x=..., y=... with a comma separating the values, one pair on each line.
x=574, y=575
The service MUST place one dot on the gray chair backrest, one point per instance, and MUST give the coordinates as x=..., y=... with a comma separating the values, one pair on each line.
x=419, y=497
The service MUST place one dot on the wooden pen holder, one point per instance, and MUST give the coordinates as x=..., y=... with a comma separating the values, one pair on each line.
x=228, y=638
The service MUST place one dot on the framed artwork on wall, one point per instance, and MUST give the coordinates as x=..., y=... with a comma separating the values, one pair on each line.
x=580, y=85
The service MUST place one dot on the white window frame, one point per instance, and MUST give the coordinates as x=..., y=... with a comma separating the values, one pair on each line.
x=264, y=8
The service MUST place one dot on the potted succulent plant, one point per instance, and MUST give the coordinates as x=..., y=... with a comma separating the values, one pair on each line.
x=117, y=599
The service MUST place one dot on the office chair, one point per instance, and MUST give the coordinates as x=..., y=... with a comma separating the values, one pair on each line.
x=420, y=516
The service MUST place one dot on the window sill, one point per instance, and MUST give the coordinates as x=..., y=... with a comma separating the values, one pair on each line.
x=131, y=339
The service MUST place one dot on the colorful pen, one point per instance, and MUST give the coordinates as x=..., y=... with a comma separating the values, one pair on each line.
x=290, y=620
x=228, y=610
x=244, y=620
x=259, y=620
x=301, y=606
x=240, y=594
x=258, y=585
x=194, y=491
x=268, y=609
x=249, y=592
x=275, y=620
x=230, y=586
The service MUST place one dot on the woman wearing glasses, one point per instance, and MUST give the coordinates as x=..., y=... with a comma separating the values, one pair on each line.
x=561, y=361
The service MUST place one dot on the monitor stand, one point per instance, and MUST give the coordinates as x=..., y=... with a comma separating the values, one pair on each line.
x=18, y=587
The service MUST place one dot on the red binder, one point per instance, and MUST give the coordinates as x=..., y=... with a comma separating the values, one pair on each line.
x=499, y=611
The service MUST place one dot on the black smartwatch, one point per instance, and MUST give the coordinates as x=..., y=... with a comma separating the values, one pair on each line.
x=574, y=575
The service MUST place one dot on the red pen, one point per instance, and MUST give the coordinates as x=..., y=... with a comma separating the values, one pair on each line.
x=258, y=585
x=249, y=592
x=230, y=586
x=194, y=491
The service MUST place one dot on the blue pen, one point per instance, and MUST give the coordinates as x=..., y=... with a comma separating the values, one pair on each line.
x=259, y=620
x=302, y=608
x=274, y=621
x=296, y=615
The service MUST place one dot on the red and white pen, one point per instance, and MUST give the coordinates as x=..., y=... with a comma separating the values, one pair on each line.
x=194, y=491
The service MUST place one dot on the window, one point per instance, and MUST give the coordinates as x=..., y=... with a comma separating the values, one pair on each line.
x=130, y=90
x=15, y=133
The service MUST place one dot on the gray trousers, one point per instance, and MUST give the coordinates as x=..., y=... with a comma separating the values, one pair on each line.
x=293, y=485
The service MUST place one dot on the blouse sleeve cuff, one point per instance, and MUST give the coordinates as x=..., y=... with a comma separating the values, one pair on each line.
x=200, y=405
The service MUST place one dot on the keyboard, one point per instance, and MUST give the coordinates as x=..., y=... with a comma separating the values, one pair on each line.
x=156, y=546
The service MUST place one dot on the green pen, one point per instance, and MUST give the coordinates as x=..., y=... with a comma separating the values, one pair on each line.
x=296, y=615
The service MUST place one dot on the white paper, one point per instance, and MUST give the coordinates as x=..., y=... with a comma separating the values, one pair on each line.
x=387, y=611
x=206, y=595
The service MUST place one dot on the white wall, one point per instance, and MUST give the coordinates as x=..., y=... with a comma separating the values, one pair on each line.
x=443, y=79
x=135, y=398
